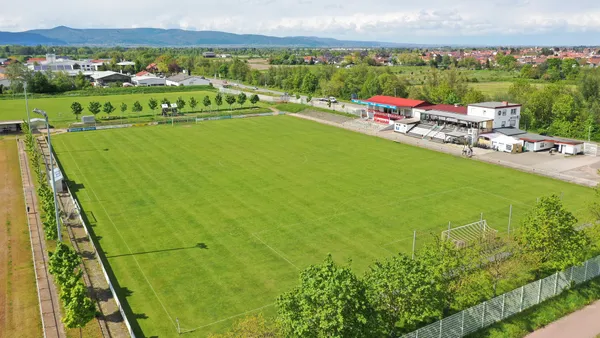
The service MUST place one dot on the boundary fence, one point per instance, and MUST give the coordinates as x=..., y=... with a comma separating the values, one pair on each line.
x=496, y=309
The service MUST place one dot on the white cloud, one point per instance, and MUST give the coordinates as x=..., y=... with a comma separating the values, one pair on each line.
x=385, y=20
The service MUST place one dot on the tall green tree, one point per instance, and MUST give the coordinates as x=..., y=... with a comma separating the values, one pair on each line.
x=331, y=301
x=403, y=293
x=254, y=99
x=180, y=103
x=76, y=108
x=80, y=310
x=123, y=108
x=94, y=107
x=193, y=103
x=108, y=108
x=230, y=99
x=241, y=98
x=218, y=100
x=206, y=101
x=548, y=233
x=152, y=104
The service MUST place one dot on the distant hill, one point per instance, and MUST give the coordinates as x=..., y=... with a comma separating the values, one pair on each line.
x=172, y=38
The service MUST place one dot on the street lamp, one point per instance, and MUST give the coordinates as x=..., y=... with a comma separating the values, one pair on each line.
x=43, y=113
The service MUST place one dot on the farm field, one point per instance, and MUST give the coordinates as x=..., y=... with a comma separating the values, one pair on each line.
x=59, y=108
x=207, y=223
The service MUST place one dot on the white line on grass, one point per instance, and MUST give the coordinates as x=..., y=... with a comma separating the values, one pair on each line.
x=224, y=319
x=123, y=239
x=275, y=251
x=500, y=196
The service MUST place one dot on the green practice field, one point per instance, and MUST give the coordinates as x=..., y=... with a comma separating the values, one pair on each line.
x=59, y=108
x=210, y=222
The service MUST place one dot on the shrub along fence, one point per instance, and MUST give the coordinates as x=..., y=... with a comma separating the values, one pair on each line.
x=489, y=312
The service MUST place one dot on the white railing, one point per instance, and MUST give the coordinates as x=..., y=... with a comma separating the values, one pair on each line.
x=496, y=309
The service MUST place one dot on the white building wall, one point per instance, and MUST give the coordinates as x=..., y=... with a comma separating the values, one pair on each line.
x=571, y=149
x=503, y=117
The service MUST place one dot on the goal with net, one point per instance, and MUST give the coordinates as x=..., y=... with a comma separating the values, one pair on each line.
x=470, y=233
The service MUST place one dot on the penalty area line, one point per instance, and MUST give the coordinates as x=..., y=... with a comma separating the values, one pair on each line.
x=275, y=251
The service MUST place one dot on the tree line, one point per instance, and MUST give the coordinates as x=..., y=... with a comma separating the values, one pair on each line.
x=402, y=293
x=64, y=263
x=95, y=107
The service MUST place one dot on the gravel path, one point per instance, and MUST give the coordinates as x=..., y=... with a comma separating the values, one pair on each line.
x=584, y=323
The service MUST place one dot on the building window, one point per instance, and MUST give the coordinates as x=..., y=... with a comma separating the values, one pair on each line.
x=503, y=124
x=504, y=113
x=513, y=111
x=499, y=113
x=512, y=123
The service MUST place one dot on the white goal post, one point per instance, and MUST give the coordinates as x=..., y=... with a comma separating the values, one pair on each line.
x=469, y=233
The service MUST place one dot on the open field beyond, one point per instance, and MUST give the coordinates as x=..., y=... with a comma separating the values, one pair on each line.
x=59, y=108
x=210, y=222
x=19, y=309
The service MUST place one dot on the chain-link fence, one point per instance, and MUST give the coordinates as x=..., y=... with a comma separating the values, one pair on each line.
x=487, y=313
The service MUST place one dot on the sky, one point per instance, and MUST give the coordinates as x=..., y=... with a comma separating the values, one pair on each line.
x=490, y=22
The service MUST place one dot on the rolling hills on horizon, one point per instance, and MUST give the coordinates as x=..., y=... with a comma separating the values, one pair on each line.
x=157, y=37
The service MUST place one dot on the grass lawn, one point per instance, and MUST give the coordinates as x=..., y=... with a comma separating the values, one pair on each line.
x=59, y=108
x=19, y=308
x=209, y=222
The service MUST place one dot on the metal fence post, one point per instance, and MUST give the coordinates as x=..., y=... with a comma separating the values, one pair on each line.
x=571, y=278
x=462, y=324
x=586, y=268
x=556, y=283
x=503, y=301
x=539, y=292
x=483, y=314
x=522, y=294
x=441, y=322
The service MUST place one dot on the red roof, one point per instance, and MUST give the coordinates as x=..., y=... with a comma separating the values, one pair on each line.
x=142, y=73
x=448, y=108
x=396, y=101
x=151, y=66
x=32, y=60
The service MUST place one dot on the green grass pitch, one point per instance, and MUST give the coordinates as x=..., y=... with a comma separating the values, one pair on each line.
x=209, y=222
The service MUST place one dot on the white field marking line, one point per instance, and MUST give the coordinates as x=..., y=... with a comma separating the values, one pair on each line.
x=224, y=319
x=125, y=242
x=500, y=196
x=275, y=251
x=355, y=210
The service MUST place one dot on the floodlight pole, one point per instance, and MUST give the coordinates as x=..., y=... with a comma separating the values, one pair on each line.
x=45, y=115
x=27, y=104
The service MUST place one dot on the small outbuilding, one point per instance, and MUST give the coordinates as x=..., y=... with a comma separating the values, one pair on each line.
x=10, y=126
x=187, y=80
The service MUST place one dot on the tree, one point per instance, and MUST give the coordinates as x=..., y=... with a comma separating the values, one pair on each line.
x=76, y=108
x=180, y=103
x=63, y=262
x=193, y=103
x=309, y=83
x=108, y=108
x=206, y=101
x=137, y=107
x=123, y=108
x=473, y=96
x=329, y=302
x=94, y=107
x=80, y=309
x=402, y=292
x=241, y=98
x=152, y=104
x=548, y=234
x=230, y=99
x=254, y=99
x=218, y=100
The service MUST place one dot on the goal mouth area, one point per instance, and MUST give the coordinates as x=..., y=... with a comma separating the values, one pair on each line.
x=463, y=235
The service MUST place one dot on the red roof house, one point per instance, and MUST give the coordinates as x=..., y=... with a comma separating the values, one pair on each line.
x=33, y=60
x=152, y=67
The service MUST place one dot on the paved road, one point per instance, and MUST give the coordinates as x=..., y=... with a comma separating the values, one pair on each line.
x=584, y=323
x=47, y=292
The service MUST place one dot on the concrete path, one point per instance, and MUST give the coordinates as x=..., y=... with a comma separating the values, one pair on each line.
x=47, y=291
x=584, y=323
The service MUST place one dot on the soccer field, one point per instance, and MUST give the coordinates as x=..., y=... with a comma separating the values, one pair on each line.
x=209, y=222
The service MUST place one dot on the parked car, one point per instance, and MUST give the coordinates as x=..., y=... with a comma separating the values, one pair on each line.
x=332, y=99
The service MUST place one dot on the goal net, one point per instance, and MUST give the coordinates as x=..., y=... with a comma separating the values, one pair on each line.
x=463, y=235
